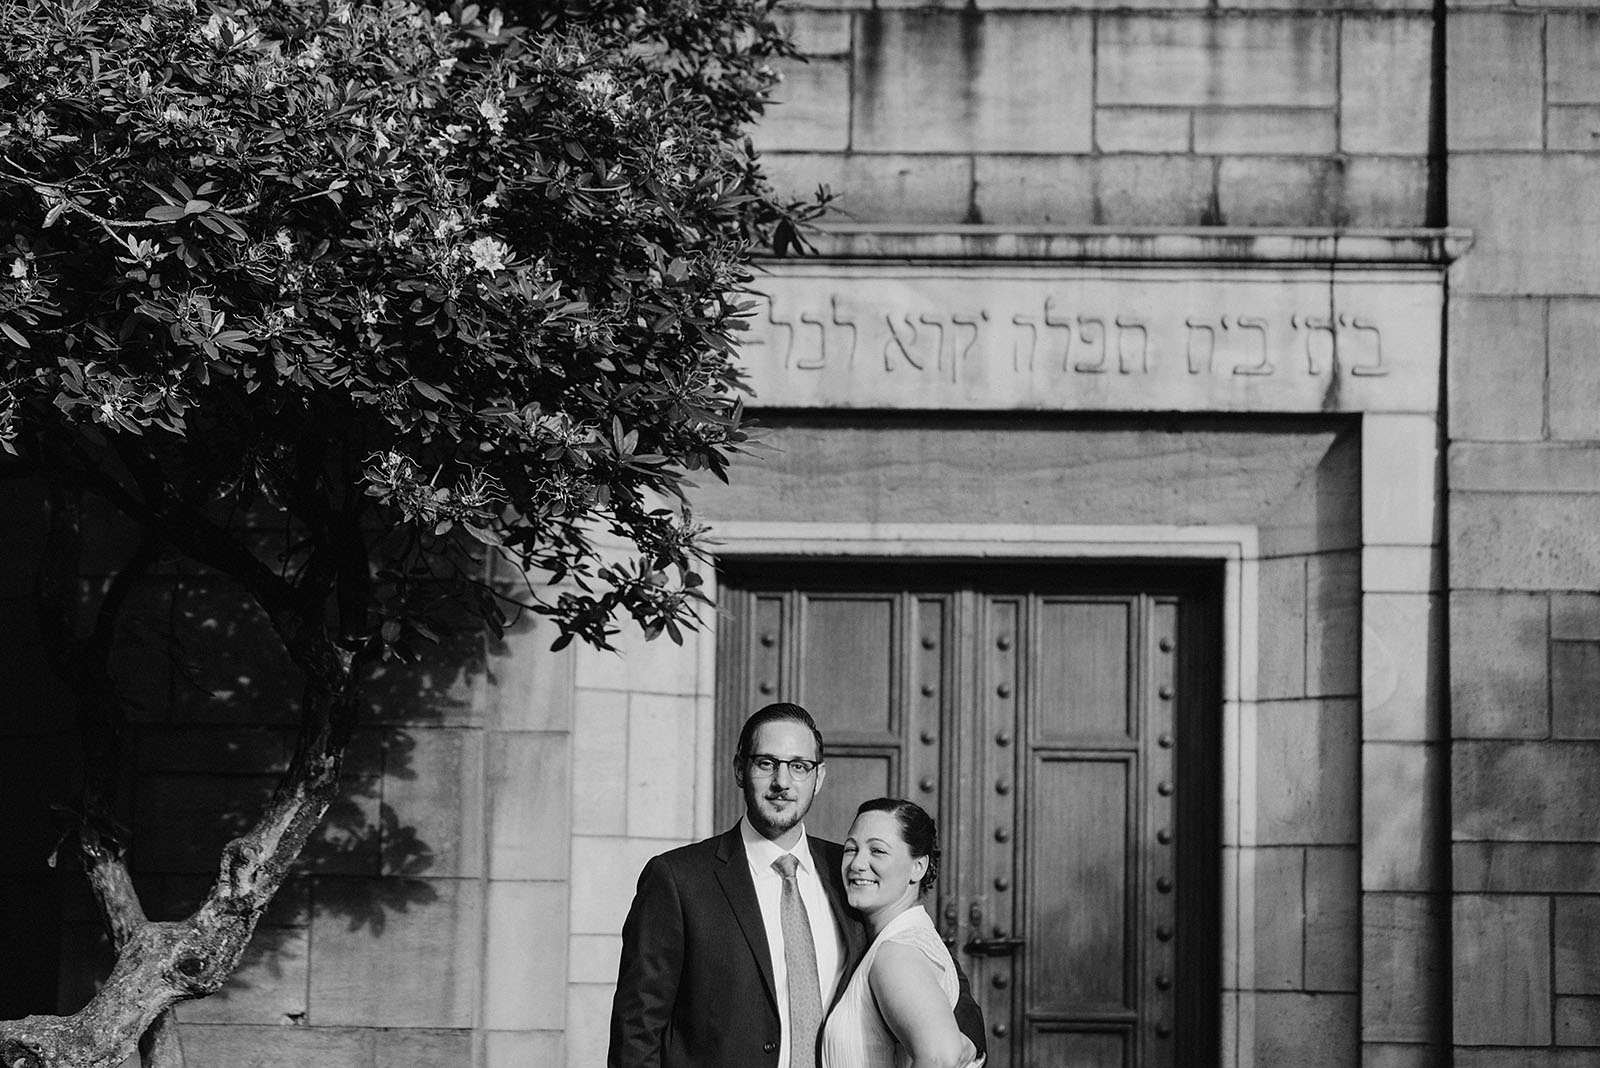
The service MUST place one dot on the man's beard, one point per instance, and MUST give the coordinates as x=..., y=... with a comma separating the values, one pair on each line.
x=770, y=824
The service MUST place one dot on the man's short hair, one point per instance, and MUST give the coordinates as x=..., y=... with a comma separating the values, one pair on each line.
x=778, y=710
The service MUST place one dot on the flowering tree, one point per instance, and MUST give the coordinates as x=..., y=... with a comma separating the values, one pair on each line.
x=420, y=285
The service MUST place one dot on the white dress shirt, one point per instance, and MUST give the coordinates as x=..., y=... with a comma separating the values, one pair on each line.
x=824, y=933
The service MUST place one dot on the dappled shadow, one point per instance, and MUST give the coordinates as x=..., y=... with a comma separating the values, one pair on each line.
x=213, y=704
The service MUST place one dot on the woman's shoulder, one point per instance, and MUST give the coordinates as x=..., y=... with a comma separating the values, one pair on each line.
x=913, y=936
x=899, y=962
x=911, y=925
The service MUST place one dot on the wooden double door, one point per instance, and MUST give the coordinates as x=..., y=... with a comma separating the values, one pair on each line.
x=1062, y=723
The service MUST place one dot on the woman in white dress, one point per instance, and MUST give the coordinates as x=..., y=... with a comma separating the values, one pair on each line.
x=897, y=1010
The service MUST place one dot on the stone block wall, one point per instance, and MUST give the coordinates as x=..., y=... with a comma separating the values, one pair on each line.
x=638, y=789
x=1256, y=115
x=1523, y=128
x=1299, y=860
x=1082, y=113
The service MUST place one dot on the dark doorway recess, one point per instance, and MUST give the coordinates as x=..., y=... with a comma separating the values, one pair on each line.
x=1063, y=722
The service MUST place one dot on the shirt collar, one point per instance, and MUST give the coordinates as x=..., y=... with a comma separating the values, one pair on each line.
x=763, y=851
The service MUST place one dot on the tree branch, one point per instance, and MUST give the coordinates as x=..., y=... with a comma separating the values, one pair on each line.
x=180, y=523
x=192, y=532
x=117, y=593
x=112, y=885
x=254, y=864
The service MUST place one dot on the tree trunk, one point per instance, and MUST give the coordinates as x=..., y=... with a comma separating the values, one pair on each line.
x=160, y=964
x=111, y=884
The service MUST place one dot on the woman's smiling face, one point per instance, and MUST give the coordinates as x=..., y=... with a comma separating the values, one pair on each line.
x=879, y=871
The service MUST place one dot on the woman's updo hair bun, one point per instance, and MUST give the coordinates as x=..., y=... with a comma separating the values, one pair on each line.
x=921, y=834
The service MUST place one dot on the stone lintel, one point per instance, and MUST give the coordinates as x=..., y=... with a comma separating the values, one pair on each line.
x=1003, y=334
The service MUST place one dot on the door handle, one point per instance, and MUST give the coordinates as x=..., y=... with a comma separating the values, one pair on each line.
x=993, y=947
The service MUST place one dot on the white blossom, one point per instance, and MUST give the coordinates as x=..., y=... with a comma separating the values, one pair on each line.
x=19, y=268
x=599, y=85
x=489, y=254
x=278, y=319
x=447, y=224
x=604, y=93
x=312, y=56
x=493, y=113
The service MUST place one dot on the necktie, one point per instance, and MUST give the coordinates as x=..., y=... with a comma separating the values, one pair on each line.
x=800, y=957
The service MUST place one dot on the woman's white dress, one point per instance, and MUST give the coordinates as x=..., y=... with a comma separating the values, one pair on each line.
x=855, y=1035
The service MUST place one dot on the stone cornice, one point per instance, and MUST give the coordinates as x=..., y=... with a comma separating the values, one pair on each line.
x=1416, y=247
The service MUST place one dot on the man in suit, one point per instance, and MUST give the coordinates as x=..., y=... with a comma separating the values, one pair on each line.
x=735, y=946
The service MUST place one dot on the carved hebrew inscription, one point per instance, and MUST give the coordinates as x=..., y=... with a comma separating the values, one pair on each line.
x=871, y=335
x=1053, y=338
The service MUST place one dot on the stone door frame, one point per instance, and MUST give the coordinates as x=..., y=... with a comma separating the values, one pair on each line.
x=1401, y=576
x=1235, y=548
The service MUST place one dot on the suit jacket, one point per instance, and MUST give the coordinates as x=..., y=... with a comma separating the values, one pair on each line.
x=695, y=986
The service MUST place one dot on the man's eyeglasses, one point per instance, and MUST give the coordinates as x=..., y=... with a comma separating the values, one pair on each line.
x=765, y=767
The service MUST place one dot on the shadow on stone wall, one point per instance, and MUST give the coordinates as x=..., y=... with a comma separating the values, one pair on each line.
x=213, y=703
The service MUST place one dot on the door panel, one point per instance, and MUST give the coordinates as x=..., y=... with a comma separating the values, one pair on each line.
x=1077, y=890
x=1051, y=718
x=1082, y=1049
x=1081, y=668
x=848, y=670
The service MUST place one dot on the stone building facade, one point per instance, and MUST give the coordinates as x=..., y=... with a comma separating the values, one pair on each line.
x=1246, y=347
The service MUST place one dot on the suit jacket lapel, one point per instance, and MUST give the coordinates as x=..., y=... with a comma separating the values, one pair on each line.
x=734, y=875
